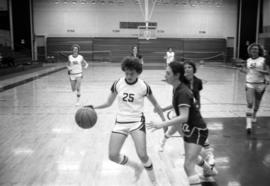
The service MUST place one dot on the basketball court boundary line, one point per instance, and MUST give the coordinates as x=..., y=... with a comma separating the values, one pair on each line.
x=24, y=81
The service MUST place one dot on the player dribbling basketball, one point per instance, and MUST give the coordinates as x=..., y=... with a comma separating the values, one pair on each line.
x=130, y=91
x=75, y=63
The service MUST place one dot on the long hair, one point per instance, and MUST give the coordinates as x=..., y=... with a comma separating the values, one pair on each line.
x=191, y=63
x=179, y=68
x=255, y=45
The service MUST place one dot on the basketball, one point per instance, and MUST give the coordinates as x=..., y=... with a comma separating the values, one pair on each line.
x=86, y=117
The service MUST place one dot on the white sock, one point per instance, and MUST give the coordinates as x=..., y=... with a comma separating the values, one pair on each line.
x=249, y=123
x=150, y=171
x=249, y=118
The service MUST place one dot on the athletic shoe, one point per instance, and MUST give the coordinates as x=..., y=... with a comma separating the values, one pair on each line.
x=209, y=171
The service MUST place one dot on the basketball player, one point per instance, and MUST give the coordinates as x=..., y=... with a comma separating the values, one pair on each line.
x=256, y=81
x=195, y=84
x=75, y=63
x=130, y=92
x=189, y=123
x=135, y=53
x=169, y=56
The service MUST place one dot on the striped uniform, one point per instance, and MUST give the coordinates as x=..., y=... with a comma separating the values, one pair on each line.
x=75, y=66
x=195, y=130
x=254, y=78
x=130, y=98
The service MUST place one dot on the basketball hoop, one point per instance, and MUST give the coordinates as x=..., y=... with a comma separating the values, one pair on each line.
x=147, y=33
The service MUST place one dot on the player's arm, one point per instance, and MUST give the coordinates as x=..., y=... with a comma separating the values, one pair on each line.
x=265, y=72
x=167, y=108
x=179, y=120
x=142, y=62
x=171, y=130
x=69, y=65
x=158, y=109
x=85, y=63
x=108, y=103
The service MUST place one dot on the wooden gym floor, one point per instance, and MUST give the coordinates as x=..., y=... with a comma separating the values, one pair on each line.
x=42, y=146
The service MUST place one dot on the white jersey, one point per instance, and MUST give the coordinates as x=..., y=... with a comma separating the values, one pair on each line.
x=253, y=70
x=130, y=99
x=75, y=64
x=169, y=57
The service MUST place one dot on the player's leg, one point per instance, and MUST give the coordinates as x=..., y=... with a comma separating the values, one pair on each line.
x=72, y=83
x=192, y=152
x=115, y=145
x=259, y=91
x=250, y=96
x=139, y=138
x=117, y=140
x=207, y=153
x=78, y=89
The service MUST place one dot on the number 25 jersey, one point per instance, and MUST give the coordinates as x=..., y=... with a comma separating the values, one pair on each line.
x=130, y=98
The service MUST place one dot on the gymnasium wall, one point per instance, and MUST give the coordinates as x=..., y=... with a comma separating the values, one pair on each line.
x=174, y=21
x=266, y=12
x=264, y=37
x=4, y=37
x=113, y=49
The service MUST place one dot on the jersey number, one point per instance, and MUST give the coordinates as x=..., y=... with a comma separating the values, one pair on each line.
x=128, y=97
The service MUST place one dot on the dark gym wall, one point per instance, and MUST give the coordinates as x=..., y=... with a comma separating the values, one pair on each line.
x=248, y=24
x=21, y=24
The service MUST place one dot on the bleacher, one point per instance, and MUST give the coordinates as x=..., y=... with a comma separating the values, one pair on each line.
x=153, y=51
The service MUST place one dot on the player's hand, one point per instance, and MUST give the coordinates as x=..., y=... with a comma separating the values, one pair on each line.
x=156, y=110
x=86, y=66
x=89, y=106
x=153, y=126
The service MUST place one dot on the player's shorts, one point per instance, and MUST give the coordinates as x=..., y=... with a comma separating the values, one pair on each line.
x=195, y=135
x=75, y=76
x=259, y=87
x=125, y=128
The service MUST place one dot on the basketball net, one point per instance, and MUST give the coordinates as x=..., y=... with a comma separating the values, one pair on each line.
x=147, y=32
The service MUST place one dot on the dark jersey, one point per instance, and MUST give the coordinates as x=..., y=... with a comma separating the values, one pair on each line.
x=139, y=56
x=183, y=97
x=196, y=87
